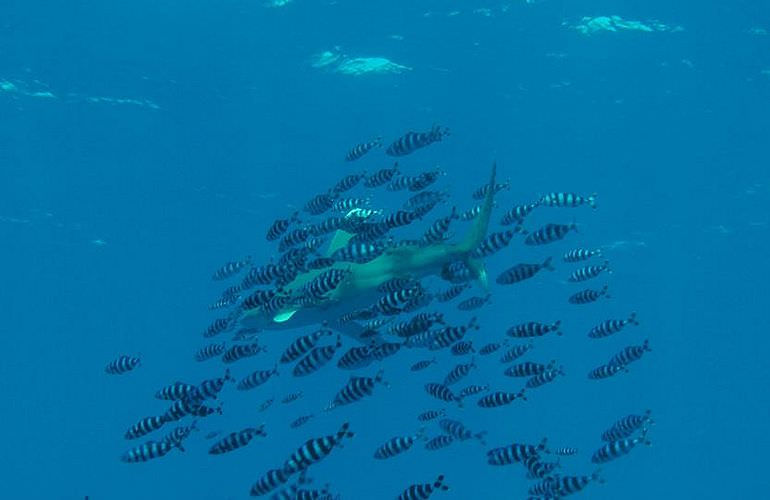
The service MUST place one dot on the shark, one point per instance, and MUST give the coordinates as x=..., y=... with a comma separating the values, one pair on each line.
x=359, y=289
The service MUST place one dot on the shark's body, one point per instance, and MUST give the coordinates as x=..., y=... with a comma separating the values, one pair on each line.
x=359, y=289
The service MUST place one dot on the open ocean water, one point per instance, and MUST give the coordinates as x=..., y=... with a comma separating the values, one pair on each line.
x=145, y=144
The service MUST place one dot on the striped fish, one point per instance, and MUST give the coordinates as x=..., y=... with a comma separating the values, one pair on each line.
x=412, y=141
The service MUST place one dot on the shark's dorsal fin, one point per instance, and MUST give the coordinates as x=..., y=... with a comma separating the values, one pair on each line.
x=339, y=240
x=478, y=231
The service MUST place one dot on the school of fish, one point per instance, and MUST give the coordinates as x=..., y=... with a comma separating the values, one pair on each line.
x=347, y=290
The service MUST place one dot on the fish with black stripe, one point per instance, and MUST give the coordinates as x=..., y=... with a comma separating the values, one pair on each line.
x=304, y=344
x=443, y=393
x=290, y=398
x=319, y=204
x=256, y=379
x=471, y=213
x=528, y=369
x=412, y=141
x=492, y=347
x=500, y=398
x=581, y=254
x=271, y=480
x=421, y=365
x=533, y=329
x=177, y=436
x=360, y=252
x=218, y=326
x=481, y=192
x=314, y=450
x=358, y=388
x=144, y=427
x=438, y=442
x=457, y=272
x=538, y=469
x=462, y=348
x=549, y=234
x=422, y=491
x=616, y=449
x=300, y=421
x=516, y=352
x=385, y=350
x=564, y=451
x=361, y=149
x=473, y=389
x=316, y=359
x=567, y=200
x=589, y=272
x=630, y=354
x=325, y=282
x=517, y=214
x=348, y=182
x=320, y=263
x=606, y=371
x=429, y=415
x=279, y=226
x=294, y=238
x=546, y=377
x=397, y=445
x=238, y=351
x=587, y=296
x=611, y=326
x=211, y=388
x=424, y=180
x=147, y=451
x=174, y=391
x=439, y=230
x=450, y=334
x=381, y=177
x=457, y=430
x=391, y=303
x=123, y=364
x=355, y=358
x=229, y=269
x=236, y=440
x=521, y=272
x=265, y=275
x=569, y=485
x=626, y=426
x=459, y=372
x=348, y=204
x=257, y=299
x=452, y=292
x=330, y=225
x=224, y=302
x=183, y=407
x=473, y=303
x=516, y=452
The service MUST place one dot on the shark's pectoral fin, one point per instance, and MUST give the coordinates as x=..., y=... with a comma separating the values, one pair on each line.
x=284, y=316
x=479, y=272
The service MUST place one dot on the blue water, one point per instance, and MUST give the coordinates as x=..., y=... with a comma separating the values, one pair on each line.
x=175, y=132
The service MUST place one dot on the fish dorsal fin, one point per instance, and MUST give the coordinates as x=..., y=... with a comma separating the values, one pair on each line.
x=478, y=231
x=284, y=316
x=339, y=240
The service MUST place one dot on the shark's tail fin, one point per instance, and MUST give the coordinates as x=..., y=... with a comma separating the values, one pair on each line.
x=478, y=231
